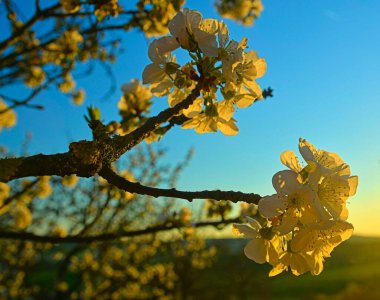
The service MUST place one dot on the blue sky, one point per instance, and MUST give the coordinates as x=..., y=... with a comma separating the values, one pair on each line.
x=323, y=64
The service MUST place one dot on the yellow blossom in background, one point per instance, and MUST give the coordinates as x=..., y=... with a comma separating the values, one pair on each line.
x=217, y=209
x=4, y=191
x=8, y=117
x=58, y=256
x=59, y=231
x=185, y=215
x=78, y=97
x=243, y=11
x=35, y=77
x=68, y=84
x=62, y=286
x=66, y=46
x=71, y=6
x=4, y=194
x=135, y=100
x=154, y=21
x=22, y=216
x=70, y=180
x=247, y=210
x=43, y=187
x=107, y=8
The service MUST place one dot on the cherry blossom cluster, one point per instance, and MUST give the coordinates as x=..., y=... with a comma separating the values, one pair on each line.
x=217, y=63
x=243, y=11
x=305, y=220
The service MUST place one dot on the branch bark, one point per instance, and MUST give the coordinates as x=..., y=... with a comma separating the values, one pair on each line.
x=135, y=187
x=86, y=158
x=107, y=236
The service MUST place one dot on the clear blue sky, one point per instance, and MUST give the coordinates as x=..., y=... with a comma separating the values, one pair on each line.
x=324, y=66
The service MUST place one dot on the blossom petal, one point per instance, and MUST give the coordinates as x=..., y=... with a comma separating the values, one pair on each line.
x=159, y=48
x=176, y=97
x=253, y=88
x=184, y=24
x=194, y=109
x=286, y=182
x=256, y=250
x=298, y=264
x=288, y=222
x=244, y=100
x=254, y=223
x=228, y=127
x=206, y=42
x=223, y=34
x=153, y=73
x=302, y=240
x=191, y=123
x=246, y=230
x=272, y=206
x=318, y=266
x=261, y=67
x=353, y=183
x=333, y=192
x=278, y=269
x=205, y=124
x=210, y=26
x=290, y=159
x=161, y=88
x=225, y=109
x=307, y=150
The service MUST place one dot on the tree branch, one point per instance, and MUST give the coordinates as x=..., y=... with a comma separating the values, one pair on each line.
x=135, y=187
x=60, y=164
x=108, y=236
x=86, y=158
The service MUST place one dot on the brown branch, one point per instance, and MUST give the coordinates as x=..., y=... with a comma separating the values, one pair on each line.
x=100, y=153
x=60, y=164
x=108, y=236
x=135, y=187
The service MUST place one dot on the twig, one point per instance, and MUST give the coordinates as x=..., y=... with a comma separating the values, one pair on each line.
x=107, y=236
x=135, y=187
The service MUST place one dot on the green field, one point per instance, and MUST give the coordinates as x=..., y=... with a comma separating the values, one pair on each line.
x=353, y=272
